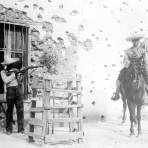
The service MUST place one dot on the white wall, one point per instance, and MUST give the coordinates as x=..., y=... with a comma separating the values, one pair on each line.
x=107, y=23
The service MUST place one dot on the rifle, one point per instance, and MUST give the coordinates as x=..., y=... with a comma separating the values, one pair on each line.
x=23, y=70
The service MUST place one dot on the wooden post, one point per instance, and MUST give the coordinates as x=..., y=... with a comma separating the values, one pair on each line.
x=53, y=102
x=32, y=115
x=47, y=102
x=79, y=109
x=70, y=110
x=45, y=112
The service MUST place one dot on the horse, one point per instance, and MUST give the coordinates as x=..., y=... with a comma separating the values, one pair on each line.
x=133, y=89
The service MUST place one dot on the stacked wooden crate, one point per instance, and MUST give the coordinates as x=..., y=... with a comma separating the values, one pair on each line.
x=61, y=109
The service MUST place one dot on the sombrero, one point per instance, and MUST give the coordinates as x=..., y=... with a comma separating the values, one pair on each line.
x=134, y=38
x=8, y=60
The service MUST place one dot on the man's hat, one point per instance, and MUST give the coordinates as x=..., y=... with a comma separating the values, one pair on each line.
x=134, y=38
x=8, y=60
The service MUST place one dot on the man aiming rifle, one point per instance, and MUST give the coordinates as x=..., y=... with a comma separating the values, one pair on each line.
x=22, y=70
x=12, y=77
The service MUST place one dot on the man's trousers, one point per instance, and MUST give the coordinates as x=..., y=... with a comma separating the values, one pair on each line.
x=14, y=98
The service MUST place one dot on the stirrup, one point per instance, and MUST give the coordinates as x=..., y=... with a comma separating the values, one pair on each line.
x=115, y=96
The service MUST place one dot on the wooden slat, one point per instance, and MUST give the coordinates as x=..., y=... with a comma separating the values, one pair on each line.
x=37, y=83
x=35, y=135
x=37, y=109
x=58, y=98
x=27, y=101
x=34, y=99
x=36, y=122
x=37, y=86
x=65, y=136
x=63, y=90
x=62, y=77
x=62, y=106
x=73, y=119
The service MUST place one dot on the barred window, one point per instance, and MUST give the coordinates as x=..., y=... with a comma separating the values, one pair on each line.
x=14, y=41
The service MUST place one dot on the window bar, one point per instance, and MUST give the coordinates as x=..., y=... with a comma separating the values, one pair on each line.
x=14, y=38
x=9, y=43
x=22, y=34
x=4, y=96
x=4, y=36
x=25, y=56
x=27, y=45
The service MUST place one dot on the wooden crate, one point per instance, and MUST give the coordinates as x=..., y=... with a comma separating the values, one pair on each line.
x=52, y=109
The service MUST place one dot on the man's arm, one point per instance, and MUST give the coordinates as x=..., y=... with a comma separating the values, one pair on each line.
x=6, y=79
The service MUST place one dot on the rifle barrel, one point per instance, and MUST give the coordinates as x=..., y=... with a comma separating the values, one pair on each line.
x=23, y=70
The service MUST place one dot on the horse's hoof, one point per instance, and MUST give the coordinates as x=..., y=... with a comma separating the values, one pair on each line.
x=123, y=121
x=131, y=134
x=139, y=133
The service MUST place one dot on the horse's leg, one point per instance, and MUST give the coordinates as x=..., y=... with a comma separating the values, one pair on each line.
x=139, y=119
x=124, y=109
x=131, y=107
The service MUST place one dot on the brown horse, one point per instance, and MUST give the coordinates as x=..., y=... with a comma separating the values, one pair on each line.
x=133, y=89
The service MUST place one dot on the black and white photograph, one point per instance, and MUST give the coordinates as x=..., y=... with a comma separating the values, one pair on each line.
x=73, y=73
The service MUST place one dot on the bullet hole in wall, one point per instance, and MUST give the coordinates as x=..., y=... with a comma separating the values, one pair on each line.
x=84, y=117
x=26, y=6
x=91, y=91
x=102, y=117
x=93, y=103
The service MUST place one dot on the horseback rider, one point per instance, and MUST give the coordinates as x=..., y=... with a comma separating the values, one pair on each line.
x=135, y=52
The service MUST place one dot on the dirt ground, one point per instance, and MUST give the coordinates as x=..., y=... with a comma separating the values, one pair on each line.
x=109, y=133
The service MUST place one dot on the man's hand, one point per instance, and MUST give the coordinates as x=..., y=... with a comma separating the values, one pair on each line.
x=19, y=77
x=23, y=69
